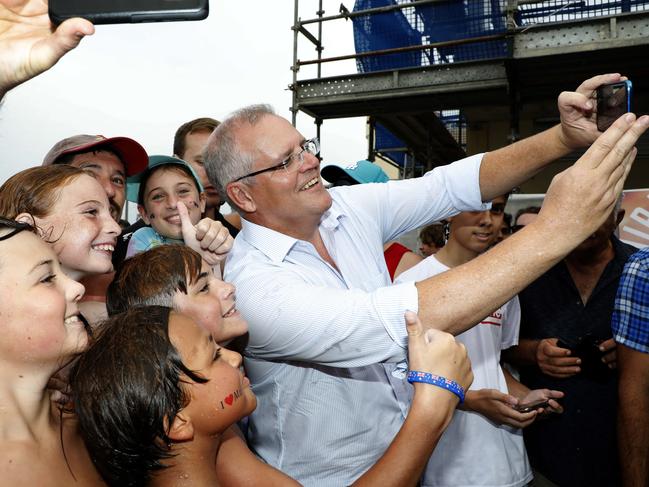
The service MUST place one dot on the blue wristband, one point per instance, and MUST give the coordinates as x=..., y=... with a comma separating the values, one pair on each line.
x=437, y=380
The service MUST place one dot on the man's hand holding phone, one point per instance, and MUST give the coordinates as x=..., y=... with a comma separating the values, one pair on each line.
x=543, y=401
x=29, y=44
x=556, y=361
x=613, y=101
x=578, y=111
x=498, y=407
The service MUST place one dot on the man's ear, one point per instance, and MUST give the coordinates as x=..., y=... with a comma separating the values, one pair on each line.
x=181, y=428
x=142, y=211
x=240, y=195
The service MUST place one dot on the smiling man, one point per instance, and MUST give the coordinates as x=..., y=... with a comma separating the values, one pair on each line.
x=314, y=287
x=109, y=160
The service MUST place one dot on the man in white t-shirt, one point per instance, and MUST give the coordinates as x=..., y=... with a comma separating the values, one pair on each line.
x=483, y=445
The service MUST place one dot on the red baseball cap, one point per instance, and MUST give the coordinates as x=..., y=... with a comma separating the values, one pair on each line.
x=132, y=154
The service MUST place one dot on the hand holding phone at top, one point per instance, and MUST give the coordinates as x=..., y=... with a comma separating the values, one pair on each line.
x=578, y=111
x=29, y=45
x=613, y=101
x=131, y=11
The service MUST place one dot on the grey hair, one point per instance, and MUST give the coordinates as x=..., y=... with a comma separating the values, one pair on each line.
x=224, y=158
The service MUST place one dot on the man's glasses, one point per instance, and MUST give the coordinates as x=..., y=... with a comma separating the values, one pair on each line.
x=292, y=162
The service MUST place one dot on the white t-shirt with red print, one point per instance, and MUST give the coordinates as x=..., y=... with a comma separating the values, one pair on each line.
x=473, y=451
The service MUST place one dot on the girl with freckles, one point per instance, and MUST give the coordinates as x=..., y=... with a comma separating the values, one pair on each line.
x=70, y=210
x=158, y=396
x=42, y=332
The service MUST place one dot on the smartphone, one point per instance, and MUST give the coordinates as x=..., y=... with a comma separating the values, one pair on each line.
x=528, y=408
x=128, y=11
x=613, y=101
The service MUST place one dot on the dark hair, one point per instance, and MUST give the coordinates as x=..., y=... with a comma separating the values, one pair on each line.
x=127, y=391
x=507, y=220
x=180, y=168
x=153, y=277
x=432, y=235
x=204, y=124
x=534, y=210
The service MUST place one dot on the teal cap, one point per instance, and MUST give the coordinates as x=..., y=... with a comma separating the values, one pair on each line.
x=133, y=183
x=361, y=172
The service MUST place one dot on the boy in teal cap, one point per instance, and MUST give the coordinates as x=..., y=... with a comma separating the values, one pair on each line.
x=171, y=200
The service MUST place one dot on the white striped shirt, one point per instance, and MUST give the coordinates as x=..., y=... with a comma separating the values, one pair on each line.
x=318, y=336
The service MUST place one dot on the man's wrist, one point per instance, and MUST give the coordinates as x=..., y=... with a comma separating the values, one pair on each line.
x=563, y=144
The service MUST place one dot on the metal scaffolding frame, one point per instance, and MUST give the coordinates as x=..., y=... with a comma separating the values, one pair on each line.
x=567, y=36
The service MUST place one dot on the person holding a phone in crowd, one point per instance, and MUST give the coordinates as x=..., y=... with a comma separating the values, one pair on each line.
x=487, y=427
x=566, y=344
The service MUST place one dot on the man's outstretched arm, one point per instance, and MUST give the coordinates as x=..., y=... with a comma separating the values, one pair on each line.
x=510, y=166
x=576, y=204
x=30, y=44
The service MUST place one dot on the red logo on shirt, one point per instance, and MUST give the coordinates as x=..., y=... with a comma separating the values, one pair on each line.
x=494, y=318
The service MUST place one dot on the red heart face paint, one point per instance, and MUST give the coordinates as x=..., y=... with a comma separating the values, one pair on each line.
x=226, y=397
x=230, y=399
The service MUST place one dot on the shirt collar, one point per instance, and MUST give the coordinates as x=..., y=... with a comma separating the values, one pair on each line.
x=276, y=245
x=331, y=218
x=273, y=244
